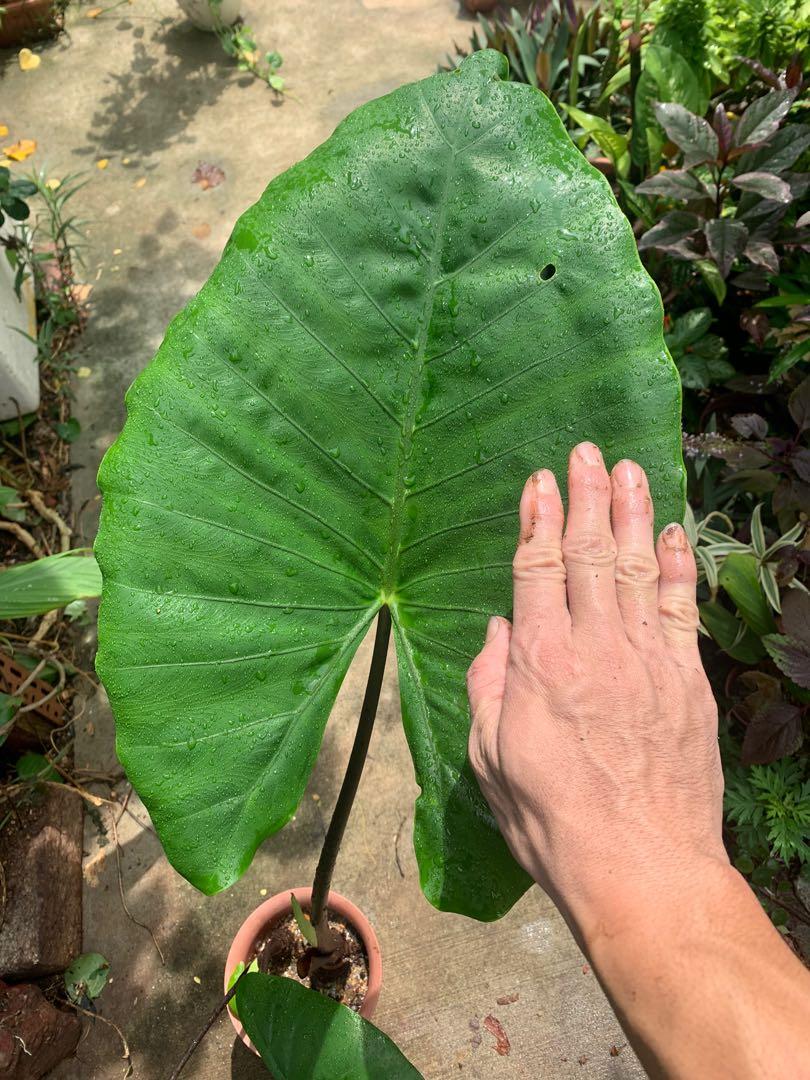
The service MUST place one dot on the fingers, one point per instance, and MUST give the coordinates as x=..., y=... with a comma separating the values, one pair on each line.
x=538, y=568
x=677, y=609
x=589, y=550
x=636, y=565
x=486, y=677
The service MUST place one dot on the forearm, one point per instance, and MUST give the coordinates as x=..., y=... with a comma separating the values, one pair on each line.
x=702, y=982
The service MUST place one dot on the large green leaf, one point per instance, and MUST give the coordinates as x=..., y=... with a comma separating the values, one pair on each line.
x=303, y=1035
x=441, y=298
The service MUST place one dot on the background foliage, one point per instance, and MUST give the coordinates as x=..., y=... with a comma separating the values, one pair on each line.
x=697, y=111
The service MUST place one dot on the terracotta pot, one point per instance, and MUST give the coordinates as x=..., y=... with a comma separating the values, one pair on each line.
x=27, y=20
x=279, y=905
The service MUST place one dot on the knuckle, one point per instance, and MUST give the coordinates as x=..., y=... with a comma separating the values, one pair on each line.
x=536, y=559
x=593, y=549
x=679, y=613
x=634, y=568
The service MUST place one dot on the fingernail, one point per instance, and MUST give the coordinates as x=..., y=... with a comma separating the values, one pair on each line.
x=544, y=481
x=589, y=454
x=627, y=474
x=492, y=628
x=674, y=538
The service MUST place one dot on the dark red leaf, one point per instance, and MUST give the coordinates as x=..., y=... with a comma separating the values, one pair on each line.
x=800, y=460
x=722, y=127
x=799, y=405
x=791, y=656
x=750, y=425
x=507, y=999
x=756, y=325
x=796, y=615
x=207, y=175
x=495, y=1027
x=773, y=733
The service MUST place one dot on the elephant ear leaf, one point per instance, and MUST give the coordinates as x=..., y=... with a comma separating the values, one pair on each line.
x=438, y=300
x=304, y=1035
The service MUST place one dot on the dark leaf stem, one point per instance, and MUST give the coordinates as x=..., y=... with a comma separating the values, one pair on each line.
x=354, y=770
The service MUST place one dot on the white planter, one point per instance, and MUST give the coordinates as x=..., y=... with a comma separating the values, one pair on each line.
x=19, y=370
x=205, y=15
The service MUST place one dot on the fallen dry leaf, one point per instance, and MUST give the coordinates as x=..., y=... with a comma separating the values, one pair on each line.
x=201, y=231
x=140, y=182
x=495, y=1027
x=507, y=999
x=3, y=130
x=102, y=163
x=93, y=13
x=19, y=151
x=207, y=175
x=28, y=61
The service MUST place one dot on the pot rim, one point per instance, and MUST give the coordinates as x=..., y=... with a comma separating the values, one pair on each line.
x=279, y=904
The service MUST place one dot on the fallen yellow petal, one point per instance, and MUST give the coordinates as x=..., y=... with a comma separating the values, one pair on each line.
x=3, y=130
x=117, y=251
x=28, y=61
x=53, y=183
x=102, y=163
x=140, y=182
x=93, y=13
x=84, y=372
x=19, y=151
x=125, y=160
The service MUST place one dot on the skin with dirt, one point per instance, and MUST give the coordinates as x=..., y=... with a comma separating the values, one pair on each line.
x=283, y=950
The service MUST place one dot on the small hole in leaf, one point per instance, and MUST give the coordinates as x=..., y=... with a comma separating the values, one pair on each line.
x=548, y=272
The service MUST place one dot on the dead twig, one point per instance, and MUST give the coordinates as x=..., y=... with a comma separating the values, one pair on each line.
x=129, y=914
x=24, y=536
x=127, y=1056
x=38, y=503
x=60, y=685
x=396, y=847
x=45, y=626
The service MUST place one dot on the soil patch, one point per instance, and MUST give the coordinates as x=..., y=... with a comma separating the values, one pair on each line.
x=283, y=950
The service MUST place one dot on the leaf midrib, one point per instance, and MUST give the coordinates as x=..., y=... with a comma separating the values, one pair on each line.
x=413, y=393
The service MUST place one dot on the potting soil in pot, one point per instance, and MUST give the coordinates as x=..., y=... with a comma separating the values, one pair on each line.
x=283, y=950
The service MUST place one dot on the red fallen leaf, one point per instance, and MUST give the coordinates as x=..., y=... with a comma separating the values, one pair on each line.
x=207, y=175
x=507, y=999
x=495, y=1027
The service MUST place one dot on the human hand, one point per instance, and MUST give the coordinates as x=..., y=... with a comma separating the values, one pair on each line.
x=594, y=734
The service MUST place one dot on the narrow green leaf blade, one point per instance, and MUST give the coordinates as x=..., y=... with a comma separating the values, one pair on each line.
x=739, y=577
x=304, y=1035
x=37, y=587
x=438, y=300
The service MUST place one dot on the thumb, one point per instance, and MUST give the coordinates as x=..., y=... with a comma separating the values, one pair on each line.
x=486, y=678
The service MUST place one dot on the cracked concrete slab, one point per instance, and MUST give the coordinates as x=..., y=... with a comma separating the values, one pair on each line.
x=141, y=88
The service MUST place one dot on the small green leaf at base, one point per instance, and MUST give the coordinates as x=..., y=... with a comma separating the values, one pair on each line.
x=303, y=1035
x=86, y=977
x=304, y=925
x=235, y=974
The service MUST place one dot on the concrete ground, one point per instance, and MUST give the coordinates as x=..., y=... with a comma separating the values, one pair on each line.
x=140, y=87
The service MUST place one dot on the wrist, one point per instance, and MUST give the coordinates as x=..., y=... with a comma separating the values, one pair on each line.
x=623, y=909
